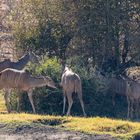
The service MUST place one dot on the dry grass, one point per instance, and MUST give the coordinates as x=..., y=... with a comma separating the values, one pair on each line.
x=116, y=128
x=95, y=125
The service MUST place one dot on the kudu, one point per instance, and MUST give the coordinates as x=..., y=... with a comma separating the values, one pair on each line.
x=125, y=86
x=112, y=84
x=70, y=83
x=22, y=80
x=116, y=85
x=133, y=97
x=21, y=63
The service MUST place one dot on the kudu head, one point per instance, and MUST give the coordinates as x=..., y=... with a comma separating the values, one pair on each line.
x=49, y=82
x=64, y=66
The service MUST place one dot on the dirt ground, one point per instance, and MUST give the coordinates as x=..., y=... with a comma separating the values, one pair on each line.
x=36, y=132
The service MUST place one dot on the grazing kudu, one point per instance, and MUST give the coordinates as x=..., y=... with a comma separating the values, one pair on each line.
x=113, y=84
x=116, y=85
x=125, y=86
x=21, y=63
x=22, y=80
x=133, y=97
x=70, y=83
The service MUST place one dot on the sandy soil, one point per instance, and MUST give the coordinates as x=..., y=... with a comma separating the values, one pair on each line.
x=43, y=132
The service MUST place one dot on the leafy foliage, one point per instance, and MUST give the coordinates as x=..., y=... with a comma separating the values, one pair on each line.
x=50, y=101
x=88, y=34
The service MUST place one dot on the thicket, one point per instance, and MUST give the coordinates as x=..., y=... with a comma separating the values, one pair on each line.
x=50, y=101
x=88, y=34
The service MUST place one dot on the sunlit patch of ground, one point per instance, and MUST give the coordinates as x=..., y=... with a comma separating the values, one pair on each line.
x=94, y=125
x=116, y=128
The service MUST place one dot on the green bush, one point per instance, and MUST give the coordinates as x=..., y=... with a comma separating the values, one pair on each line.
x=50, y=101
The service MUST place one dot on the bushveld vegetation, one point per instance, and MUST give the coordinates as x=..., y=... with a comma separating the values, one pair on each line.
x=88, y=35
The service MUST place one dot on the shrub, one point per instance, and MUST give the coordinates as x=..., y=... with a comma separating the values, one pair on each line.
x=50, y=101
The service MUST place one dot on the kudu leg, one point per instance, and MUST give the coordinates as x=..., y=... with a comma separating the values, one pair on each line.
x=7, y=102
x=131, y=108
x=30, y=92
x=128, y=108
x=113, y=99
x=82, y=103
x=70, y=102
x=137, y=109
x=18, y=100
x=64, y=102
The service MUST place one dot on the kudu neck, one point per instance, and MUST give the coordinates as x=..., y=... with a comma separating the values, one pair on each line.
x=63, y=65
x=21, y=63
x=37, y=82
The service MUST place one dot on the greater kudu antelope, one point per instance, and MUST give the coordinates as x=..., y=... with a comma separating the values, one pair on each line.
x=112, y=84
x=133, y=97
x=22, y=80
x=116, y=85
x=127, y=87
x=70, y=83
x=21, y=63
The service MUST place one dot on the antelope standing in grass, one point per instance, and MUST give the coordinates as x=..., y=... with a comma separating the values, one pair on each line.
x=116, y=85
x=125, y=86
x=112, y=84
x=22, y=80
x=133, y=97
x=21, y=63
x=70, y=83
